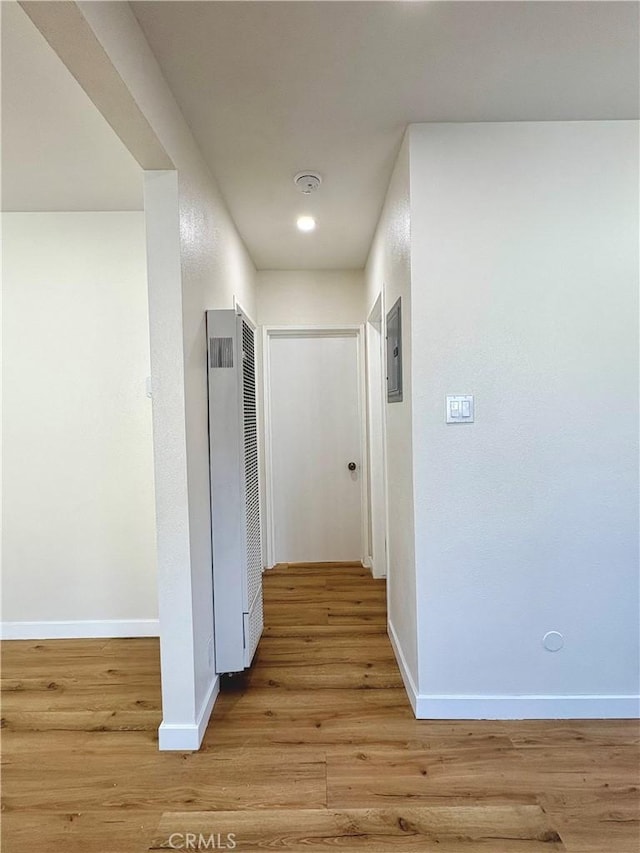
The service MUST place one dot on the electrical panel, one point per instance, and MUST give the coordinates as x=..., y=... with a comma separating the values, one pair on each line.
x=394, y=353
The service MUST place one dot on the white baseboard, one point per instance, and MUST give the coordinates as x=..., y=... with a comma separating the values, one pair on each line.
x=595, y=707
x=407, y=678
x=186, y=737
x=377, y=572
x=457, y=707
x=79, y=629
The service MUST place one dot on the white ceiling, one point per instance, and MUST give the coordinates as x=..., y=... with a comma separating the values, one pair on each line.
x=58, y=153
x=270, y=88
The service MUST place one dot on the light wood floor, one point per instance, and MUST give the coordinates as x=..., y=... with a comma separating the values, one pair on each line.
x=317, y=741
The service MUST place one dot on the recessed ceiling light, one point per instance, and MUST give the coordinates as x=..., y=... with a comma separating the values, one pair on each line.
x=306, y=223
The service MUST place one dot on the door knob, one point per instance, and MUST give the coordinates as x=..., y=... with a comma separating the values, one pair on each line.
x=352, y=466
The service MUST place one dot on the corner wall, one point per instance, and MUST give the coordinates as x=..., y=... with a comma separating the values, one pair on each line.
x=214, y=267
x=525, y=293
x=196, y=261
x=389, y=270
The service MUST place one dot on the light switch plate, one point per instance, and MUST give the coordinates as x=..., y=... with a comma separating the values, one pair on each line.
x=459, y=409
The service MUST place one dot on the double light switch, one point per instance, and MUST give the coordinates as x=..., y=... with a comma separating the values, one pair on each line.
x=459, y=409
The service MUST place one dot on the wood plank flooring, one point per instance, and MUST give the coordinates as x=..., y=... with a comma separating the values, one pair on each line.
x=315, y=747
x=446, y=829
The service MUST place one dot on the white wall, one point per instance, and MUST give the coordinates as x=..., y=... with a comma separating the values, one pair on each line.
x=79, y=526
x=389, y=268
x=525, y=293
x=310, y=297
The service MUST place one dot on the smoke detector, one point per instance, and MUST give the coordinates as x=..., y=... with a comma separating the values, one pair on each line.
x=307, y=182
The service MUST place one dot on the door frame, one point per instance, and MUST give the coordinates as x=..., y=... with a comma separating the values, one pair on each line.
x=376, y=399
x=328, y=331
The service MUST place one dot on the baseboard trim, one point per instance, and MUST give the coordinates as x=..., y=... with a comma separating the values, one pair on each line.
x=529, y=707
x=314, y=564
x=187, y=737
x=585, y=707
x=377, y=572
x=407, y=678
x=79, y=629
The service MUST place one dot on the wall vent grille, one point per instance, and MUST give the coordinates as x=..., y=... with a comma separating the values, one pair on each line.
x=234, y=478
x=252, y=488
x=221, y=352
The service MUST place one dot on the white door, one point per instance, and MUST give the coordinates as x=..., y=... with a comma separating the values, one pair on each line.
x=315, y=435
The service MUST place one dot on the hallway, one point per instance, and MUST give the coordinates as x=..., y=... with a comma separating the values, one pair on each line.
x=322, y=723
